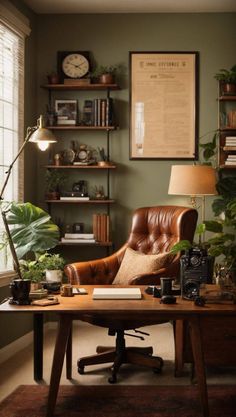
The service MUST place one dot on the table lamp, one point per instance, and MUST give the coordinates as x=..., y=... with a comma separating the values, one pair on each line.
x=36, y=134
x=193, y=180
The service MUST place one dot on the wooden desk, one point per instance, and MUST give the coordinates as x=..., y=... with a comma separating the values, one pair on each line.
x=148, y=309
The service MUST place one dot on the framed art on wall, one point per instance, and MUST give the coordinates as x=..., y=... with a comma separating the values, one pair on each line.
x=164, y=105
x=66, y=111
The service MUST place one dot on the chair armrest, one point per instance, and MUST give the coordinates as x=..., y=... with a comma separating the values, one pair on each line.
x=100, y=271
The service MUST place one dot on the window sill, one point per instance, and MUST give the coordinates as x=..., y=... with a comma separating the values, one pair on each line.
x=6, y=278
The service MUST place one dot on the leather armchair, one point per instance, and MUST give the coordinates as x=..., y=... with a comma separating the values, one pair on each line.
x=154, y=230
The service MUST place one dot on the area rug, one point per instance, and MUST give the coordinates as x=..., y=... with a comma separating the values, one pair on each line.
x=119, y=401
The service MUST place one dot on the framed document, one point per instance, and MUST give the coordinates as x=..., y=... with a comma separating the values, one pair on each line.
x=164, y=105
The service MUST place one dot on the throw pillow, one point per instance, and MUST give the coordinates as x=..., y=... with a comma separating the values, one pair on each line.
x=136, y=263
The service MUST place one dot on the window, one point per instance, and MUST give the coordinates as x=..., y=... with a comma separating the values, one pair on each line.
x=12, y=36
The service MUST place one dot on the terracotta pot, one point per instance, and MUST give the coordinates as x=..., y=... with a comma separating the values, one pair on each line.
x=106, y=79
x=228, y=88
x=53, y=79
x=53, y=195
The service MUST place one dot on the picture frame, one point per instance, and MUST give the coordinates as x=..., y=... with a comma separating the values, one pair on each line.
x=66, y=112
x=164, y=112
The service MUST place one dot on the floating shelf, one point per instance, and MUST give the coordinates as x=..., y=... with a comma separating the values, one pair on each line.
x=80, y=202
x=87, y=87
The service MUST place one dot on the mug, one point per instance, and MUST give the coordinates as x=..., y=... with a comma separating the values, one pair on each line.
x=20, y=289
x=67, y=290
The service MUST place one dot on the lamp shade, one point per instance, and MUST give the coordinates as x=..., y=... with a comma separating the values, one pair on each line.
x=193, y=180
x=41, y=134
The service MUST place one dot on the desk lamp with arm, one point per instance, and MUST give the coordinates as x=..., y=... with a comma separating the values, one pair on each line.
x=36, y=134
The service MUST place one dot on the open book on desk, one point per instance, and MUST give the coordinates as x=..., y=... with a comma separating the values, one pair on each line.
x=116, y=293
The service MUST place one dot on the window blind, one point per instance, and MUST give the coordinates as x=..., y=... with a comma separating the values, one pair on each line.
x=11, y=118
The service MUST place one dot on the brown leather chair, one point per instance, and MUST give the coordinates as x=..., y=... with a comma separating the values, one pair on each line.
x=154, y=230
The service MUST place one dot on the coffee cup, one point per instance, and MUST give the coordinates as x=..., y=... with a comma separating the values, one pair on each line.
x=67, y=290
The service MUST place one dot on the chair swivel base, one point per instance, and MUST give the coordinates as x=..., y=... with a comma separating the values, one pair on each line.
x=133, y=355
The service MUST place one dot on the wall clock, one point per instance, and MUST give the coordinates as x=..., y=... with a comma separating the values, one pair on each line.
x=73, y=64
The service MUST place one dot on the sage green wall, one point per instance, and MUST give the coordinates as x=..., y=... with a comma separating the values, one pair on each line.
x=110, y=37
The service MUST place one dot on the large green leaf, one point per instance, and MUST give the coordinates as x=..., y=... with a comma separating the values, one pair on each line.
x=31, y=229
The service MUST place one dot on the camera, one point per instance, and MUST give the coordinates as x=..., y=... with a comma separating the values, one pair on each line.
x=195, y=269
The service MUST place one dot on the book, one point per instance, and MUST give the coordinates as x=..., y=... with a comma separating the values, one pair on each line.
x=79, y=236
x=74, y=198
x=65, y=240
x=116, y=293
x=65, y=122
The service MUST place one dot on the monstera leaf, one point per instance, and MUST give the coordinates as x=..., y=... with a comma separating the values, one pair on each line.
x=31, y=229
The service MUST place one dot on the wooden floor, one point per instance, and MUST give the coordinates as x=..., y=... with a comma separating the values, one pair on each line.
x=19, y=368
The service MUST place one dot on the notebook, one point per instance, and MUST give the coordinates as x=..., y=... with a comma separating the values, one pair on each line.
x=115, y=293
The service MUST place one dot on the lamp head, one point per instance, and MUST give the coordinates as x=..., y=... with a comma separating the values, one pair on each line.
x=41, y=135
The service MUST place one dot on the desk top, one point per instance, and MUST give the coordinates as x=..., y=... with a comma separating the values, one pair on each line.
x=147, y=306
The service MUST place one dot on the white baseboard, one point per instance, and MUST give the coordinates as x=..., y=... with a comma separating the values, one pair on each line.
x=21, y=343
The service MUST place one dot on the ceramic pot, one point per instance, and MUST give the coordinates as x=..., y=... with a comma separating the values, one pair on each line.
x=106, y=79
x=53, y=275
x=228, y=88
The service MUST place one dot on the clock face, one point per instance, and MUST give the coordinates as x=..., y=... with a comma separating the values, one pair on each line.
x=83, y=155
x=75, y=65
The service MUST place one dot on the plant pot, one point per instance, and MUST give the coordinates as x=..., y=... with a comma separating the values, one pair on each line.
x=35, y=286
x=53, y=79
x=53, y=195
x=228, y=88
x=53, y=275
x=106, y=79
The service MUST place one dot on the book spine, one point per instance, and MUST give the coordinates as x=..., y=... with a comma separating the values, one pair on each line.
x=95, y=230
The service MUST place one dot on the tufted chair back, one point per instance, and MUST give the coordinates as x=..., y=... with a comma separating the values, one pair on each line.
x=154, y=230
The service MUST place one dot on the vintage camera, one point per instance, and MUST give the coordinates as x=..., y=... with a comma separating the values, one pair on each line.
x=195, y=269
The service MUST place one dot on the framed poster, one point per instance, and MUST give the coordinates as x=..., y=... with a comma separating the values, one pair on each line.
x=164, y=105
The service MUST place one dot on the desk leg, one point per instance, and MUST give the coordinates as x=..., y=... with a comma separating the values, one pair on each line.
x=63, y=332
x=38, y=346
x=69, y=356
x=196, y=342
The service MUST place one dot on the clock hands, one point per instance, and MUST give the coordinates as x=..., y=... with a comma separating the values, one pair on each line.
x=76, y=65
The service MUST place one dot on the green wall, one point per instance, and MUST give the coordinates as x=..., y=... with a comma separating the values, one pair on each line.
x=110, y=37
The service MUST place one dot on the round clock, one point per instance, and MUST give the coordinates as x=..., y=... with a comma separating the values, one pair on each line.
x=83, y=154
x=75, y=65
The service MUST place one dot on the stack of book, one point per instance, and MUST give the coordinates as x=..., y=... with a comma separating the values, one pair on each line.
x=230, y=141
x=78, y=238
x=231, y=160
x=101, y=227
x=64, y=120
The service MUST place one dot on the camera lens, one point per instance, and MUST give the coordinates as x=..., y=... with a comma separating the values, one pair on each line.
x=195, y=261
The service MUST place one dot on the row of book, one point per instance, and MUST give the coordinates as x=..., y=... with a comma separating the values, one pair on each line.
x=78, y=238
x=101, y=227
x=98, y=112
x=231, y=160
x=230, y=141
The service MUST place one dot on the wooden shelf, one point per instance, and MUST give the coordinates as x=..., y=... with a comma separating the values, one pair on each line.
x=106, y=244
x=228, y=166
x=77, y=127
x=80, y=202
x=227, y=98
x=227, y=128
x=111, y=166
x=92, y=87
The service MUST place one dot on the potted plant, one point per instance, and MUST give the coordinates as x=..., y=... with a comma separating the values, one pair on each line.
x=227, y=79
x=53, y=78
x=106, y=74
x=33, y=233
x=52, y=264
x=55, y=179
